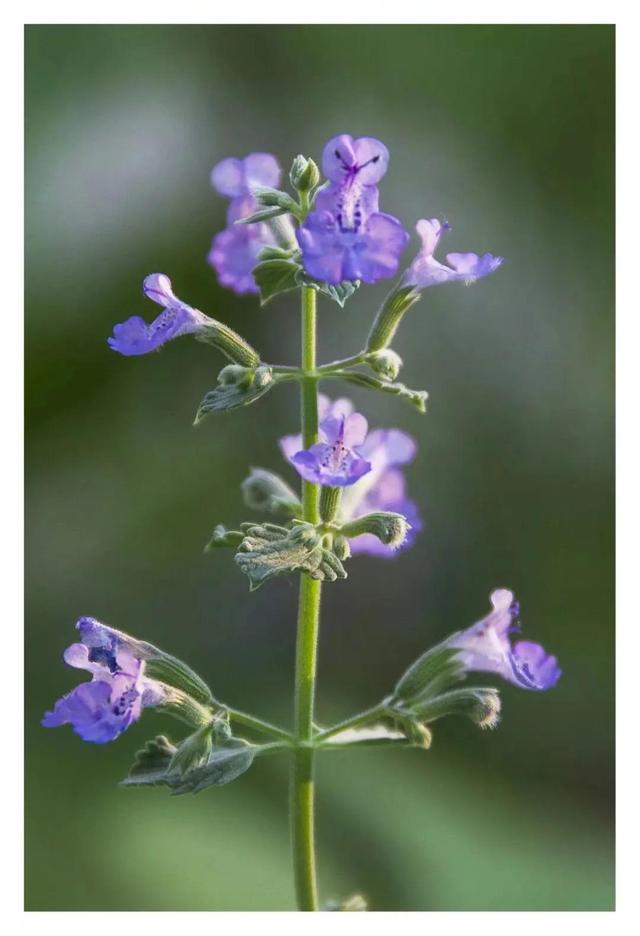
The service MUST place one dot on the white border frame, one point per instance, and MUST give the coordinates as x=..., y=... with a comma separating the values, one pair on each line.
x=627, y=421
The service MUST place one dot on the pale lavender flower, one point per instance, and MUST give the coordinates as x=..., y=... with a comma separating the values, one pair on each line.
x=136, y=337
x=234, y=251
x=346, y=237
x=486, y=646
x=335, y=461
x=381, y=488
x=103, y=708
x=425, y=270
x=236, y=178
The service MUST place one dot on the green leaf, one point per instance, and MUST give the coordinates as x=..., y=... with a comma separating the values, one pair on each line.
x=225, y=763
x=274, y=277
x=269, y=550
x=229, y=396
x=339, y=292
x=151, y=762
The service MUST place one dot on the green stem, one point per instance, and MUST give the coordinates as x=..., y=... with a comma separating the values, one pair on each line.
x=250, y=721
x=352, y=361
x=302, y=790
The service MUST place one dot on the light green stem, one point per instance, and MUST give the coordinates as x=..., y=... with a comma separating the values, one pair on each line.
x=302, y=791
x=250, y=721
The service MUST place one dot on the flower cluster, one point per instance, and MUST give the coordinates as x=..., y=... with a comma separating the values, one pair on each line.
x=103, y=708
x=348, y=454
x=234, y=251
x=346, y=237
x=486, y=647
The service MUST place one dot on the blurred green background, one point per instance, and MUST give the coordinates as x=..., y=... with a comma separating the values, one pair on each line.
x=508, y=132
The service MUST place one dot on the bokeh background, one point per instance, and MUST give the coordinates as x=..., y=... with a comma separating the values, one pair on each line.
x=508, y=132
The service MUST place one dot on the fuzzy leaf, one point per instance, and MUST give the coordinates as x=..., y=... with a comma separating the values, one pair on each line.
x=231, y=395
x=269, y=550
x=339, y=292
x=226, y=763
x=151, y=762
x=274, y=277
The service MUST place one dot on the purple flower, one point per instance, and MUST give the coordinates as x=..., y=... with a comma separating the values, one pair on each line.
x=425, y=270
x=234, y=251
x=381, y=488
x=346, y=237
x=136, y=337
x=335, y=461
x=238, y=177
x=102, y=709
x=486, y=646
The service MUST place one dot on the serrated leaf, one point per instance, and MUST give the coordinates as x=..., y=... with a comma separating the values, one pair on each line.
x=274, y=277
x=151, y=762
x=226, y=763
x=230, y=396
x=339, y=292
x=268, y=551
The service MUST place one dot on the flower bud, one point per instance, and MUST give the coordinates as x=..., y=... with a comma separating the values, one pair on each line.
x=304, y=174
x=341, y=547
x=386, y=363
x=481, y=705
x=263, y=490
x=390, y=528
